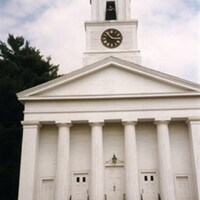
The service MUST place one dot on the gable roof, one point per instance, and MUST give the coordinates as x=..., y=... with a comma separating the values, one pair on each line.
x=188, y=88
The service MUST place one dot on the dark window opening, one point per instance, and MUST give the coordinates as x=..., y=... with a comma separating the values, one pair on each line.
x=77, y=179
x=152, y=179
x=111, y=10
x=84, y=179
x=145, y=178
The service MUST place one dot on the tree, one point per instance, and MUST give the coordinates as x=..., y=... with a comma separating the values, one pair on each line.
x=21, y=67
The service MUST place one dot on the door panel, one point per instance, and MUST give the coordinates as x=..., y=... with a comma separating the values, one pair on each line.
x=114, y=182
x=182, y=188
x=47, y=189
x=80, y=187
x=149, y=186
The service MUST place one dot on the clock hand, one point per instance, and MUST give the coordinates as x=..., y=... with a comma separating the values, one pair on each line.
x=108, y=35
x=111, y=37
x=116, y=38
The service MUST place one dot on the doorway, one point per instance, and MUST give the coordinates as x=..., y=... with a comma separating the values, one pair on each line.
x=114, y=182
x=47, y=189
x=149, y=185
x=182, y=188
x=80, y=186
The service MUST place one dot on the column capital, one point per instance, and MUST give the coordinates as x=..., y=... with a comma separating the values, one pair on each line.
x=63, y=123
x=130, y=122
x=162, y=121
x=32, y=123
x=96, y=123
x=193, y=120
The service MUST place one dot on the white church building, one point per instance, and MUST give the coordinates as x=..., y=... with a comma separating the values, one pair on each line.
x=113, y=129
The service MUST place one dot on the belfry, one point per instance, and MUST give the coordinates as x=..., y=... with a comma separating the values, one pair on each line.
x=110, y=25
x=113, y=129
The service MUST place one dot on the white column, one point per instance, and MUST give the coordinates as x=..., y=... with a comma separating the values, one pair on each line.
x=97, y=166
x=194, y=132
x=63, y=166
x=165, y=164
x=131, y=162
x=29, y=160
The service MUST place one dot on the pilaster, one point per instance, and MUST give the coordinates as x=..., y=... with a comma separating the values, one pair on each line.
x=165, y=164
x=28, y=160
x=131, y=161
x=63, y=165
x=97, y=166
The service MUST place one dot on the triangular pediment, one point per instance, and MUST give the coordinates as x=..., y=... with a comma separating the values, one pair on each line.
x=111, y=77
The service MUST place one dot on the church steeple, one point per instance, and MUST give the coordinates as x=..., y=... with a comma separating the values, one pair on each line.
x=111, y=32
x=103, y=9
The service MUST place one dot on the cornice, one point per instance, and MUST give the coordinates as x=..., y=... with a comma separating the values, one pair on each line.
x=111, y=23
x=118, y=96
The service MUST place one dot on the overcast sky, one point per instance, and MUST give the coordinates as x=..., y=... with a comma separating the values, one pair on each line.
x=168, y=32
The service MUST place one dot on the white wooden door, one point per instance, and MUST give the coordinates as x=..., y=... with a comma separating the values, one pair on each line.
x=182, y=188
x=114, y=182
x=80, y=187
x=149, y=186
x=47, y=189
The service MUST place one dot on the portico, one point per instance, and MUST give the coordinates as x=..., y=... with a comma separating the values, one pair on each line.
x=128, y=160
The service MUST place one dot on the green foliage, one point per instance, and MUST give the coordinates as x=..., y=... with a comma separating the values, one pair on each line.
x=21, y=67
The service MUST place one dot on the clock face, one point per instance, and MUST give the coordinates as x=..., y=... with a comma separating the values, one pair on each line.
x=111, y=38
